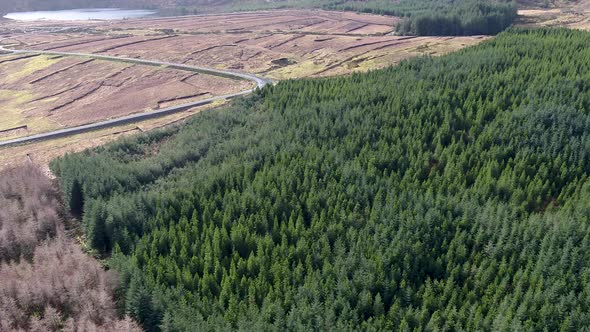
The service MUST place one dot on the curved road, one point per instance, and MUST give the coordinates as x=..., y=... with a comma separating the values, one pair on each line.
x=260, y=83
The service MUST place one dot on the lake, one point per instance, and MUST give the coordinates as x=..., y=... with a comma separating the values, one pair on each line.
x=80, y=14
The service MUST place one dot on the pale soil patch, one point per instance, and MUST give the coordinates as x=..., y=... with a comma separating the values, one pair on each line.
x=12, y=115
x=13, y=73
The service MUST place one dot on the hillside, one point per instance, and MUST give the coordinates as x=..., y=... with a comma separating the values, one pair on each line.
x=422, y=18
x=26, y=5
x=445, y=193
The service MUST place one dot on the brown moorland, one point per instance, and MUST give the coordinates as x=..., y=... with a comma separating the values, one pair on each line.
x=279, y=44
x=41, y=93
x=568, y=14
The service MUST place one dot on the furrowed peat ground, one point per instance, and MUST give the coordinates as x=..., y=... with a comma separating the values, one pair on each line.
x=41, y=93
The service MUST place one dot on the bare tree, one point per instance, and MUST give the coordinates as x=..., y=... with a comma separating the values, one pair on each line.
x=46, y=282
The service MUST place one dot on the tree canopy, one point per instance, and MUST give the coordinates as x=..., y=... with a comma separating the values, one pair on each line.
x=440, y=17
x=444, y=193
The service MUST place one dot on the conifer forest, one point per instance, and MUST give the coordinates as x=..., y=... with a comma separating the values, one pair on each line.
x=445, y=193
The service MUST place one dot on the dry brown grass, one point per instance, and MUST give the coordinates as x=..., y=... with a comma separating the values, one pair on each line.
x=279, y=44
x=42, y=153
x=574, y=15
x=44, y=93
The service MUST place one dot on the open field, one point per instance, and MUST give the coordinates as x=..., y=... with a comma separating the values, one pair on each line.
x=42, y=93
x=574, y=15
x=279, y=44
x=41, y=153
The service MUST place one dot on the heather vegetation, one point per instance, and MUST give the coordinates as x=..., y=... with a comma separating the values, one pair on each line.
x=445, y=193
x=420, y=17
x=27, y=5
x=46, y=282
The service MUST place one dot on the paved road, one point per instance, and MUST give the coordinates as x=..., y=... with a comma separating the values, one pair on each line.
x=260, y=83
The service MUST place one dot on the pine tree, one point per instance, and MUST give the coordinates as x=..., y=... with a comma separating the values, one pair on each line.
x=76, y=199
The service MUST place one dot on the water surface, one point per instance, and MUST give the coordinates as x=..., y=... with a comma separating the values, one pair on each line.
x=80, y=14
